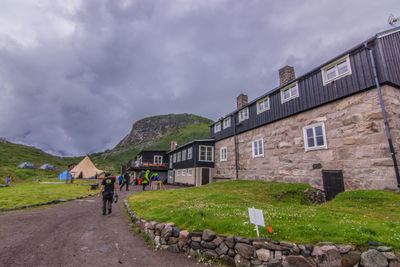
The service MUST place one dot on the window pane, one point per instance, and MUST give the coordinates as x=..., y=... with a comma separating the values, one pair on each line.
x=293, y=91
x=318, y=130
x=255, y=148
x=310, y=142
x=260, y=147
x=286, y=94
x=310, y=133
x=342, y=68
x=330, y=73
x=320, y=140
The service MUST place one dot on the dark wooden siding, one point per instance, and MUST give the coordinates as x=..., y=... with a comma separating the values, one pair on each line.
x=194, y=162
x=389, y=49
x=312, y=92
x=148, y=156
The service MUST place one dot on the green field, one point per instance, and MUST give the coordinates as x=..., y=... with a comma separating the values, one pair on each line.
x=32, y=193
x=354, y=217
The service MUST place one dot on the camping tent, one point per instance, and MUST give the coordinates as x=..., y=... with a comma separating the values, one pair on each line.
x=26, y=165
x=85, y=169
x=47, y=167
x=65, y=175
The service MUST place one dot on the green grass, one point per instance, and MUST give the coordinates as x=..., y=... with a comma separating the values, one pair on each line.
x=354, y=217
x=31, y=193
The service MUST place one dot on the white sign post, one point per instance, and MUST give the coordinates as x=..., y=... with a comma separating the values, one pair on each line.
x=256, y=218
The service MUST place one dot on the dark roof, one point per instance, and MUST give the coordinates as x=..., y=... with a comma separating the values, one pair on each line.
x=191, y=142
x=152, y=151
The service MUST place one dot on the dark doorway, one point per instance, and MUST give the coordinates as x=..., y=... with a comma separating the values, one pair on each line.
x=333, y=183
x=205, y=175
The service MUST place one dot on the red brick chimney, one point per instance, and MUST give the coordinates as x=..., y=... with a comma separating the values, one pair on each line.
x=174, y=144
x=241, y=101
x=286, y=75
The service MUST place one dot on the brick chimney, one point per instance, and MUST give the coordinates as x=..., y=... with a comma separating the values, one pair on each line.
x=174, y=144
x=286, y=75
x=241, y=101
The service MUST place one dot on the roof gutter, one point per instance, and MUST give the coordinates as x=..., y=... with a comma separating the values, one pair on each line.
x=383, y=109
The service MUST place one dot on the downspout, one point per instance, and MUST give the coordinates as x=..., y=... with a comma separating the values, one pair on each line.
x=385, y=119
x=236, y=148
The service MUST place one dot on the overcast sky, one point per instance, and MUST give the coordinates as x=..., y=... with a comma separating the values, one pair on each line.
x=75, y=75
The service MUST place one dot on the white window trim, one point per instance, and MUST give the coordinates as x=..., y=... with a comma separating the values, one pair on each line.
x=265, y=109
x=306, y=148
x=183, y=159
x=335, y=64
x=242, y=110
x=212, y=153
x=252, y=148
x=179, y=157
x=220, y=154
x=158, y=156
x=217, y=127
x=189, y=172
x=174, y=158
x=228, y=125
x=289, y=87
x=184, y=172
x=178, y=172
x=191, y=153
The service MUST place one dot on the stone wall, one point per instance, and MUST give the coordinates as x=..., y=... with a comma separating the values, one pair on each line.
x=356, y=144
x=239, y=251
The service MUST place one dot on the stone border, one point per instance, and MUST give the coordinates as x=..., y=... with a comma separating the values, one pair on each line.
x=56, y=201
x=239, y=251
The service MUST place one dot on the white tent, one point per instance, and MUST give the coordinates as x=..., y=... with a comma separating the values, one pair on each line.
x=85, y=169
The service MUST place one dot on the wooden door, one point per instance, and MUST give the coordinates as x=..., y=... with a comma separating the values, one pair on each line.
x=205, y=176
x=333, y=183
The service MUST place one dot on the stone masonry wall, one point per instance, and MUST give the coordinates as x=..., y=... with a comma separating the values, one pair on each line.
x=356, y=144
x=239, y=251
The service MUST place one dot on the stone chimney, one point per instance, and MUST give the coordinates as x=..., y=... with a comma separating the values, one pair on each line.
x=241, y=101
x=174, y=144
x=286, y=75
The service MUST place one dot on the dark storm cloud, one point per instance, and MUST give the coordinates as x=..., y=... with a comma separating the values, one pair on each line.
x=75, y=74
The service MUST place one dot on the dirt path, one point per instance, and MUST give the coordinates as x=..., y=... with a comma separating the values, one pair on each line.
x=76, y=234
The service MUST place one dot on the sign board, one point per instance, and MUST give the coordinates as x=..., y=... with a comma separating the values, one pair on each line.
x=256, y=218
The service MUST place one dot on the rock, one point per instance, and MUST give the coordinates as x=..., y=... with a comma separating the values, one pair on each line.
x=245, y=250
x=321, y=244
x=299, y=261
x=394, y=264
x=209, y=245
x=320, y=250
x=241, y=262
x=163, y=241
x=208, y=235
x=350, y=259
x=345, y=249
x=174, y=248
x=175, y=231
x=172, y=240
x=373, y=258
x=231, y=253
x=217, y=241
x=191, y=234
x=227, y=259
x=263, y=254
x=274, y=263
x=255, y=262
x=384, y=249
x=166, y=231
x=286, y=244
x=193, y=252
x=157, y=240
x=390, y=255
x=196, y=238
x=266, y=245
x=211, y=253
x=222, y=249
x=327, y=256
x=195, y=245
x=159, y=228
x=278, y=254
x=152, y=225
x=242, y=240
x=295, y=250
x=374, y=244
x=184, y=234
x=230, y=241
x=150, y=234
x=315, y=196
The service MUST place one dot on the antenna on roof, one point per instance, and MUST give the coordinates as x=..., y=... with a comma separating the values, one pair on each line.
x=392, y=20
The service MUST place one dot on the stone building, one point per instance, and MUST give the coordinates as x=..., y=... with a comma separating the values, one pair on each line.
x=325, y=128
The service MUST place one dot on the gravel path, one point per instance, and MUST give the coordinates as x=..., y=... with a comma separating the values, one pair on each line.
x=76, y=234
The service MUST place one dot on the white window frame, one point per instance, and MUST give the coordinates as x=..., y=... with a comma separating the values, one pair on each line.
x=184, y=153
x=189, y=172
x=313, y=126
x=334, y=65
x=190, y=153
x=212, y=153
x=243, y=114
x=226, y=123
x=184, y=172
x=170, y=162
x=223, y=153
x=178, y=172
x=255, y=150
x=291, y=95
x=217, y=127
x=263, y=105
x=174, y=158
x=157, y=157
x=179, y=157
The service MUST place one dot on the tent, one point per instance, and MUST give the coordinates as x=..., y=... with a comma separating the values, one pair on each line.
x=26, y=165
x=47, y=167
x=85, y=169
x=65, y=175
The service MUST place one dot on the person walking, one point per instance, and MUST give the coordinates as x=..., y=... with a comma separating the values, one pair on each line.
x=146, y=179
x=127, y=180
x=108, y=188
x=120, y=179
x=8, y=180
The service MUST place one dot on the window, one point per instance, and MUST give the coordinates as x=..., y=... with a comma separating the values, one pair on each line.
x=217, y=127
x=178, y=172
x=158, y=159
x=314, y=137
x=224, y=154
x=184, y=172
x=174, y=157
x=189, y=152
x=243, y=114
x=227, y=123
x=179, y=156
x=263, y=105
x=336, y=70
x=170, y=162
x=258, y=148
x=184, y=155
x=290, y=92
x=189, y=172
x=206, y=153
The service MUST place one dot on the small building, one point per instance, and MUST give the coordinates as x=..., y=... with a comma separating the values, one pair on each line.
x=153, y=160
x=192, y=163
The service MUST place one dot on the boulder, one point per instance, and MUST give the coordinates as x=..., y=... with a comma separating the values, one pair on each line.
x=209, y=245
x=175, y=231
x=222, y=249
x=195, y=245
x=231, y=252
x=208, y=235
x=327, y=256
x=217, y=241
x=373, y=258
x=239, y=239
x=211, y=253
x=350, y=259
x=230, y=241
x=299, y=261
x=241, y=262
x=166, y=231
x=245, y=250
x=263, y=254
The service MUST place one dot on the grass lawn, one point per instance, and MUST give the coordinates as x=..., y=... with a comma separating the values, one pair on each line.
x=354, y=217
x=29, y=193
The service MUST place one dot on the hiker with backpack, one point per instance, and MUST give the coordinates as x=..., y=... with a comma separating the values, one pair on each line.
x=108, y=189
x=146, y=179
x=126, y=181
